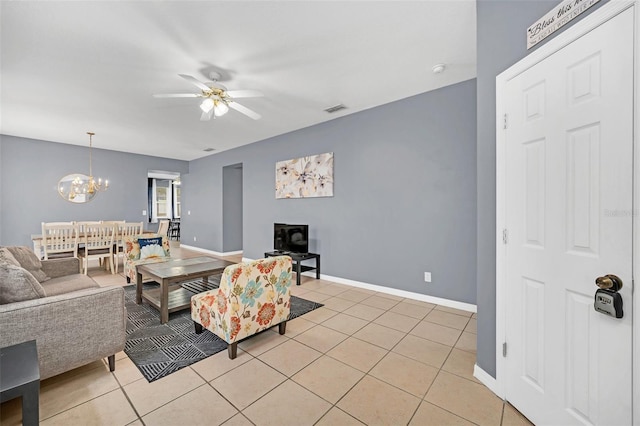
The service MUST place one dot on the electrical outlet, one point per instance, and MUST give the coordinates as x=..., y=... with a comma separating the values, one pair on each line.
x=194, y=239
x=427, y=277
x=188, y=212
x=144, y=212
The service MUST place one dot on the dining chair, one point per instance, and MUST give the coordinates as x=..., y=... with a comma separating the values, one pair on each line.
x=127, y=229
x=117, y=237
x=83, y=224
x=163, y=227
x=98, y=244
x=59, y=239
x=174, y=230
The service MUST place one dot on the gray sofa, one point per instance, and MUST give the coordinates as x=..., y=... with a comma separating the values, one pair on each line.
x=73, y=320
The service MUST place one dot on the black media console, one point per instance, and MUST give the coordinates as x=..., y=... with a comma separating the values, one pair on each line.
x=297, y=258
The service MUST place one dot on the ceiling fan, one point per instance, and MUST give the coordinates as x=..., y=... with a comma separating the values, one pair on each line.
x=216, y=98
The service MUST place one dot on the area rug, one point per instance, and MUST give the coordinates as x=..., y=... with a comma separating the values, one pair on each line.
x=161, y=349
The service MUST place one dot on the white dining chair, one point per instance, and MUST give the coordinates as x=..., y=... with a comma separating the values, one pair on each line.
x=59, y=239
x=98, y=244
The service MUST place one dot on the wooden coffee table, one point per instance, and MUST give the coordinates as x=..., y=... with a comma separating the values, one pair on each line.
x=171, y=297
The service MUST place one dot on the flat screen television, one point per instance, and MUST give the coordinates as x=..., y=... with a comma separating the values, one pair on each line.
x=290, y=238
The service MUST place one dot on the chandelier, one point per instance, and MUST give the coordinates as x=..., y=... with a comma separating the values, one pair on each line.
x=80, y=188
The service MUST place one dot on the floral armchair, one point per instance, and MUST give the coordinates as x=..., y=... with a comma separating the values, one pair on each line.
x=252, y=297
x=143, y=249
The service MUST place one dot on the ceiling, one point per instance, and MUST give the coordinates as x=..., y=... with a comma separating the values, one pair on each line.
x=76, y=66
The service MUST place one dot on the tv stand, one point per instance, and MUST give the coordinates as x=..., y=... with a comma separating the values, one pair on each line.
x=297, y=258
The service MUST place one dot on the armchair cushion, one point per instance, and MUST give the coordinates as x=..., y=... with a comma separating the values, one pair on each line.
x=253, y=296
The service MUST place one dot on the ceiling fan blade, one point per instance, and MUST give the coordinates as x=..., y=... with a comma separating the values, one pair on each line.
x=246, y=111
x=244, y=93
x=176, y=95
x=195, y=82
x=206, y=116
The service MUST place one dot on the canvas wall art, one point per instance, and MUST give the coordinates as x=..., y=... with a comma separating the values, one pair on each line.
x=305, y=177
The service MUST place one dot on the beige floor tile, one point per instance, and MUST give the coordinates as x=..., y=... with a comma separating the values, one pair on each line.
x=436, y=332
x=202, y=406
x=337, y=417
x=467, y=342
x=219, y=364
x=475, y=403
x=512, y=417
x=321, y=338
x=315, y=285
x=315, y=296
x=319, y=315
x=270, y=410
x=358, y=354
x=337, y=304
x=354, y=295
x=380, y=335
x=262, y=342
x=126, y=371
x=146, y=396
x=374, y=402
x=290, y=357
x=474, y=316
x=380, y=302
x=245, y=384
x=136, y=423
x=364, y=312
x=238, y=420
x=405, y=373
x=67, y=390
x=332, y=290
x=454, y=311
x=411, y=310
x=297, y=326
x=472, y=327
x=390, y=296
x=447, y=319
x=108, y=409
x=461, y=363
x=328, y=378
x=298, y=291
x=430, y=415
x=423, y=350
x=419, y=303
x=121, y=355
x=397, y=321
x=346, y=324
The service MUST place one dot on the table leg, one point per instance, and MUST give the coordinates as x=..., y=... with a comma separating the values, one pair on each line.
x=30, y=404
x=164, y=301
x=298, y=272
x=138, y=288
x=317, y=267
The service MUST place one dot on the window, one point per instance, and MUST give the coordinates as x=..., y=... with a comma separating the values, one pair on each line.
x=164, y=196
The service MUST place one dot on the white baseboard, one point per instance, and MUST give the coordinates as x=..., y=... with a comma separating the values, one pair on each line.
x=487, y=380
x=215, y=253
x=393, y=291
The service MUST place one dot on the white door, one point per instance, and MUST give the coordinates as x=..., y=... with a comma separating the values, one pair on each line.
x=568, y=217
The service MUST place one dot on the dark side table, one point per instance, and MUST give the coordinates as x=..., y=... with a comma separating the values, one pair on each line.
x=20, y=376
x=297, y=258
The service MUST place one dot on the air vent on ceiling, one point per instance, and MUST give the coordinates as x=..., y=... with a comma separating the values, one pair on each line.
x=209, y=149
x=335, y=108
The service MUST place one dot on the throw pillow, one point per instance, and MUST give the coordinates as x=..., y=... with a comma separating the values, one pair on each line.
x=29, y=261
x=151, y=248
x=17, y=284
x=7, y=257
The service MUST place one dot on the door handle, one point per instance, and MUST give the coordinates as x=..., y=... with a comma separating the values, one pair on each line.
x=607, y=299
x=609, y=282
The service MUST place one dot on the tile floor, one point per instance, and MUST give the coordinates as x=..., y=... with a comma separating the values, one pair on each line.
x=364, y=358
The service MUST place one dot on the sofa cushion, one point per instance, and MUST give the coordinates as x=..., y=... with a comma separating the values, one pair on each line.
x=68, y=283
x=7, y=257
x=29, y=261
x=17, y=284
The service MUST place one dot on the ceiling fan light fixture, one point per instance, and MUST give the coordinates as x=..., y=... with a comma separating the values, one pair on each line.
x=207, y=105
x=220, y=109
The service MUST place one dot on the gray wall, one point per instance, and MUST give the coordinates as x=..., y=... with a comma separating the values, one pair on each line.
x=29, y=173
x=501, y=42
x=232, y=208
x=404, y=194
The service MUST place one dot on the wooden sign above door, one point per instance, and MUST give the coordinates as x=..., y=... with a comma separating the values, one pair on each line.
x=555, y=19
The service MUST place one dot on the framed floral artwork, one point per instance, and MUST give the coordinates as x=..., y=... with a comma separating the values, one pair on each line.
x=305, y=177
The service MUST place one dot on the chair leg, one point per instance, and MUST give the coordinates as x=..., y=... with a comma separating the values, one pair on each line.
x=232, y=348
x=282, y=327
x=112, y=362
x=111, y=264
x=198, y=327
x=128, y=280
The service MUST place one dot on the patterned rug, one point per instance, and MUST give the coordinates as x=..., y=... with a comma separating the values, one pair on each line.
x=161, y=349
